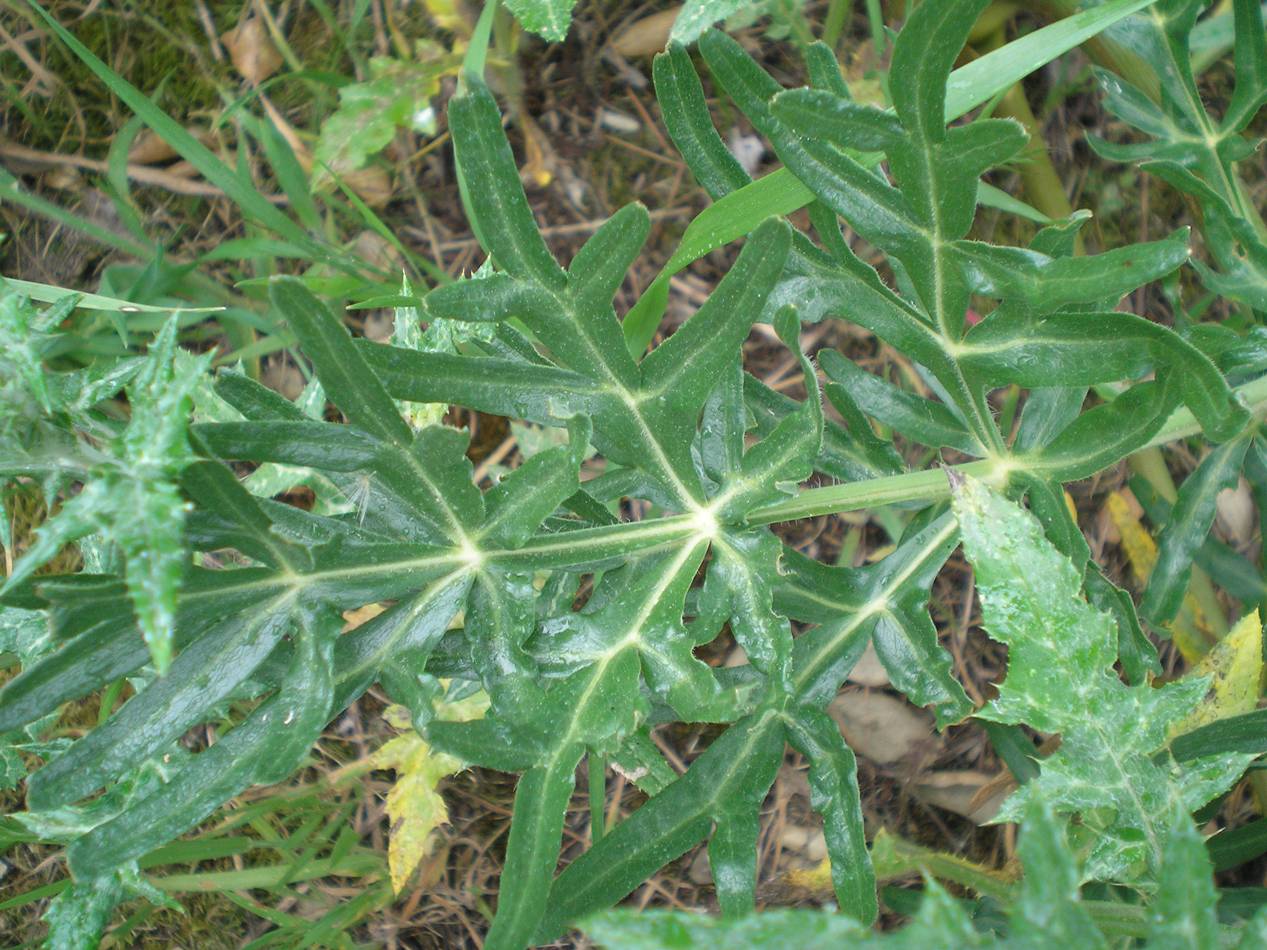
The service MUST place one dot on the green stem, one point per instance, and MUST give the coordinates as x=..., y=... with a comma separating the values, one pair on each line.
x=477, y=52
x=896, y=857
x=931, y=485
x=834, y=23
x=108, y=699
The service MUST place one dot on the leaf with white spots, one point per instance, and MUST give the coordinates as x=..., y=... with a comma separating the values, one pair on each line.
x=1061, y=679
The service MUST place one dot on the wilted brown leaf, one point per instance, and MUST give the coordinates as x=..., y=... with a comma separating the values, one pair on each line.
x=252, y=50
x=647, y=36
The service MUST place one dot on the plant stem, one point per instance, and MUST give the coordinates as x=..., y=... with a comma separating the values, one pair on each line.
x=895, y=857
x=931, y=485
x=875, y=19
x=477, y=52
x=834, y=23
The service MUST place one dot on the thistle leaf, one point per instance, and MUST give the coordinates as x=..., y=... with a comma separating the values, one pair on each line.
x=1061, y=680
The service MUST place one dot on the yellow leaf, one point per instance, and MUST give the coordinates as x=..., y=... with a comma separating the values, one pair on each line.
x=445, y=15
x=414, y=803
x=1235, y=668
x=354, y=618
x=1140, y=548
x=1141, y=552
x=815, y=882
x=1071, y=507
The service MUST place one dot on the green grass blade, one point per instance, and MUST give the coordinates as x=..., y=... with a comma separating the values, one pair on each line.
x=238, y=190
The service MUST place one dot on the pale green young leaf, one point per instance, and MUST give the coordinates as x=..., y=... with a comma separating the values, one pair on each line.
x=1061, y=680
x=1183, y=912
x=1049, y=909
x=77, y=917
x=397, y=94
x=131, y=493
x=698, y=15
x=732, y=859
x=547, y=18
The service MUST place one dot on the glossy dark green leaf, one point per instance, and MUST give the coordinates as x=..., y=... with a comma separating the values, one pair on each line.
x=600, y=266
x=915, y=417
x=1189, y=523
x=841, y=121
x=415, y=624
x=348, y=381
x=306, y=443
x=852, y=454
x=517, y=389
x=483, y=742
x=1048, y=410
x=922, y=60
x=743, y=760
x=1244, y=733
x=1107, y=432
x=678, y=374
x=742, y=578
x=203, y=674
x=113, y=648
x=215, y=487
x=833, y=782
x=1047, y=502
x=499, y=210
x=1236, y=573
x=532, y=851
x=1034, y=281
x=264, y=748
x=884, y=602
x=732, y=858
x=1230, y=848
x=681, y=99
x=1073, y=349
x=578, y=578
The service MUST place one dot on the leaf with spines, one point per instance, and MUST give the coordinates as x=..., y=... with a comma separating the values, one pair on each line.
x=548, y=18
x=131, y=493
x=581, y=624
x=1047, y=910
x=1061, y=679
